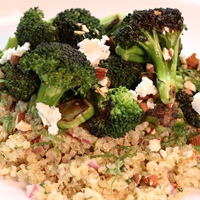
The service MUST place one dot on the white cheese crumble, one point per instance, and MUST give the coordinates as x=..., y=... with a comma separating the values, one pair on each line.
x=195, y=102
x=154, y=145
x=50, y=116
x=95, y=49
x=134, y=95
x=12, y=51
x=145, y=87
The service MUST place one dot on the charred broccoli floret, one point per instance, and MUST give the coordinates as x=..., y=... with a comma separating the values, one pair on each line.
x=60, y=68
x=21, y=85
x=116, y=114
x=151, y=33
x=75, y=24
x=121, y=72
x=191, y=116
x=34, y=29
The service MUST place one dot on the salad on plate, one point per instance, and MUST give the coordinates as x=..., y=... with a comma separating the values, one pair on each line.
x=100, y=108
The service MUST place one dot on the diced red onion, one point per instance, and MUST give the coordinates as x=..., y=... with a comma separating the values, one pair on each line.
x=93, y=164
x=72, y=136
x=85, y=141
x=34, y=188
x=38, y=149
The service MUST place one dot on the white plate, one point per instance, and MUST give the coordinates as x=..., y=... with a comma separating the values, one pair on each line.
x=11, y=11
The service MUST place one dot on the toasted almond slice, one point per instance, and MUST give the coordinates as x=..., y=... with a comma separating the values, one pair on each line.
x=151, y=180
x=195, y=140
x=189, y=85
x=192, y=61
x=100, y=72
x=23, y=126
x=156, y=12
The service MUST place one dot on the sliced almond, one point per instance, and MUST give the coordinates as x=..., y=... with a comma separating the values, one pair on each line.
x=156, y=12
x=100, y=72
x=151, y=180
x=14, y=60
x=189, y=85
x=195, y=140
x=137, y=177
x=23, y=126
x=151, y=71
x=192, y=61
x=167, y=54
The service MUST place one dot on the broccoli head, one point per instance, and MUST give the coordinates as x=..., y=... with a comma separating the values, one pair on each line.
x=60, y=68
x=121, y=72
x=34, y=29
x=185, y=99
x=154, y=33
x=21, y=85
x=116, y=114
x=75, y=24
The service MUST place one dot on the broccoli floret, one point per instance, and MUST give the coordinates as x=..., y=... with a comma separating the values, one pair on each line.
x=121, y=72
x=191, y=116
x=116, y=114
x=34, y=29
x=21, y=85
x=60, y=68
x=75, y=24
x=152, y=31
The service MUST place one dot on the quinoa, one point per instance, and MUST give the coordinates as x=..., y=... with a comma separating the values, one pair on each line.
x=75, y=165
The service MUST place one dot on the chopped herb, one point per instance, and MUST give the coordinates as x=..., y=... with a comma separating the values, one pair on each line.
x=119, y=161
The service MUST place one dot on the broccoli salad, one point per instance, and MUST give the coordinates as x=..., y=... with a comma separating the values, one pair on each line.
x=100, y=108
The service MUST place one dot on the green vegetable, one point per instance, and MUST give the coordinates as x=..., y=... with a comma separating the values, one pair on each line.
x=116, y=114
x=11, y=43
x=60, y=68
x=121, y=72
x=190, y=115
x=74, y=113
x=75, y=24
x=184, y=75
x=21, y=85
x=111, y=23
x=150, y=31
x=34, y=29
x=178, y=134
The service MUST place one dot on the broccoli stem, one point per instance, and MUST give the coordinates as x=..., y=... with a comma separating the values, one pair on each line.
x=165, y=70
x=11, y=43
x=135, y=54
x=48, y=95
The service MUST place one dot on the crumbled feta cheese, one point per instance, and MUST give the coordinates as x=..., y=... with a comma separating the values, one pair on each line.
x=145, y=87
x=195, y=102
x=95, y=49
x=12, y=51
x=154, y=145
x=134, y=95
x=50, y=116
